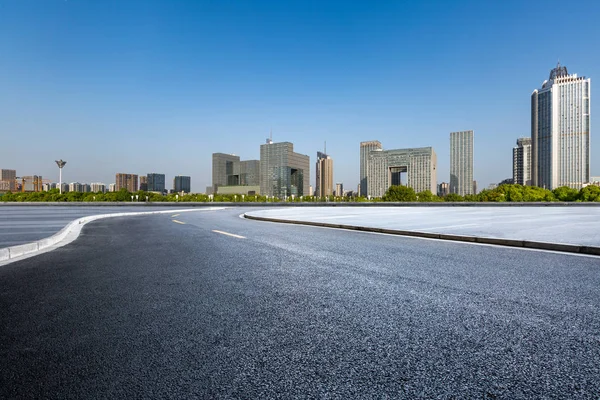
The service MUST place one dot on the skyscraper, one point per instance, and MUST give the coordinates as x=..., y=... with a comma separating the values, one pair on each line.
x=182, y=184
x=560, y=131
x=324, y=181
x=365, y=149
x=228, y=172
x=283, y=172
x=156, y=182
x=126, y=181
x=522, y=162
x=9, y=176
x=461, y=162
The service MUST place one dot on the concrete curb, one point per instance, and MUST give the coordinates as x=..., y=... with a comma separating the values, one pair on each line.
x=70, y=232
x=561, y=247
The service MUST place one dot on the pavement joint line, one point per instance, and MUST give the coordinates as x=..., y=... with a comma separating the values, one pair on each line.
x=178, y=222
x=229, y=234
x=525, y=244
x=70, y=232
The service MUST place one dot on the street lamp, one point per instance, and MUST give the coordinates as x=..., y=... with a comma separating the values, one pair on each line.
x=60, y=164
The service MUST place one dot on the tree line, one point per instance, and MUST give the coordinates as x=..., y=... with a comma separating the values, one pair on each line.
x=503, y=193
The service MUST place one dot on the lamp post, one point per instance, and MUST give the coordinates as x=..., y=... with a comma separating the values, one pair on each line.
x=60, y=164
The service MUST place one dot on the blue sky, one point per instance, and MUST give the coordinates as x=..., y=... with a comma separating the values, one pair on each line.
x=158, y=86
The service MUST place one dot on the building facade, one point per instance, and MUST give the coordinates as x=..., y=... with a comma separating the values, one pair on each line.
x=560, y=131
x=339, y=189
x=126, y=181
x=229, y=170
x=156, y=182
x=324, y=178
x=282, y=171
x=461, y=162
x=144, y=183
x=9, y=176
x=522, y=162
x=98, y=187
x=365, y=150
x=415, y=168
x=443, y=189
x=182, y=184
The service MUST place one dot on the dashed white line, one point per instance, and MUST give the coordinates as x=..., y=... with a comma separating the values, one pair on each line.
x=179, y=222
x=229, y=234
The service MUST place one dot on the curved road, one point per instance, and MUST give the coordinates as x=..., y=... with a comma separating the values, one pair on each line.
x=209, y=305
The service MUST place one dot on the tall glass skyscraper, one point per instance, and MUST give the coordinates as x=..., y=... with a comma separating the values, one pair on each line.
x=522, y=162
x=560, y=131
x=461, y=162
x=283, y=172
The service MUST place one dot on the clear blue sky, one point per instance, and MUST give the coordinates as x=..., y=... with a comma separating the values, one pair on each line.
x=158, y=86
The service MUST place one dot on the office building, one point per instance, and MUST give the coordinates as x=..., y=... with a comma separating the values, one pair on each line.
x=365, y=150
x=339, y=189
x=415, y=168
x=443, y=189
x=234, y=176
x=98, y=187
x=283, y=172
x=522, y=162
x=126, y=181
x=324, y=181
x=182, y=184
x=156, y=182
x=9, y=176
x=112, y=187
x=560, y=131
x=461, y=162
x=144, y=183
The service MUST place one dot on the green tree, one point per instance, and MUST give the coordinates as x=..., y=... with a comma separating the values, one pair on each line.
x=400, y=193
x=453, y=197
x=590, y=193
x=565, y=193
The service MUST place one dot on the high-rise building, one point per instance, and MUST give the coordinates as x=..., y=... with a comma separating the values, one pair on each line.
x=112, y=187
x=144, y=183
x=9, y=176
x=560, y=131
x=182, y=184
x=339, y=189
x=33, y=183
x=98, y=187
x=443, y=189
x=522, y=162
x=415, y=168
x=126, y=181
x=75, y=187
x=64, y=187
x=156, y=182
x=365, y=149
x=324, y=182
x=461, y=162
x=283, y=172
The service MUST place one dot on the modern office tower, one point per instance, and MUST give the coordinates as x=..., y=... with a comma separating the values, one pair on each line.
x=126, y=181
x=461, y=162
x=10, y=176
x=560, y=131
x=522, y=162
x=144, y=183
x=283, y=172
x=339, y=189
x=182, y=184
x=112, y=187
x=229, y=173
x=386, y=168
x=98, y=187
x=156, y=182
x=324, y=182
x=365, y=149
x=443, y=189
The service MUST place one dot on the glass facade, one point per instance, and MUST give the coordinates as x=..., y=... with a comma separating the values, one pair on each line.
x=182, y=184
x=283, y=172
x=461, y=162
x=156, y=182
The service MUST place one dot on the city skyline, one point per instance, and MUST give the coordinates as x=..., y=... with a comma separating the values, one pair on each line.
x=112, y=81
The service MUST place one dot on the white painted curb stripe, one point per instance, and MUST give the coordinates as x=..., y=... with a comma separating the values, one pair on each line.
x=70, y=232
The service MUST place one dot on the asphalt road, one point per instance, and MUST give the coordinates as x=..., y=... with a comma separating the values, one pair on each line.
x=165, y=307
x=19, y=225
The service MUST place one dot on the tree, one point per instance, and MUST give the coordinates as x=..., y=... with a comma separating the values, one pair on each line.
x=427, y=196
x=400, y=193
x=590, y=193
x=565, y=193
x=453, y=197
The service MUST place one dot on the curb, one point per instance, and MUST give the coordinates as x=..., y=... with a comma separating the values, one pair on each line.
x=529, y=244
x=70, y=232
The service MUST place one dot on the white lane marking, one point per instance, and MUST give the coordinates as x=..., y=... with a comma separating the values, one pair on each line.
x=176, y=215
x=179, y=222
x=229, y=234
